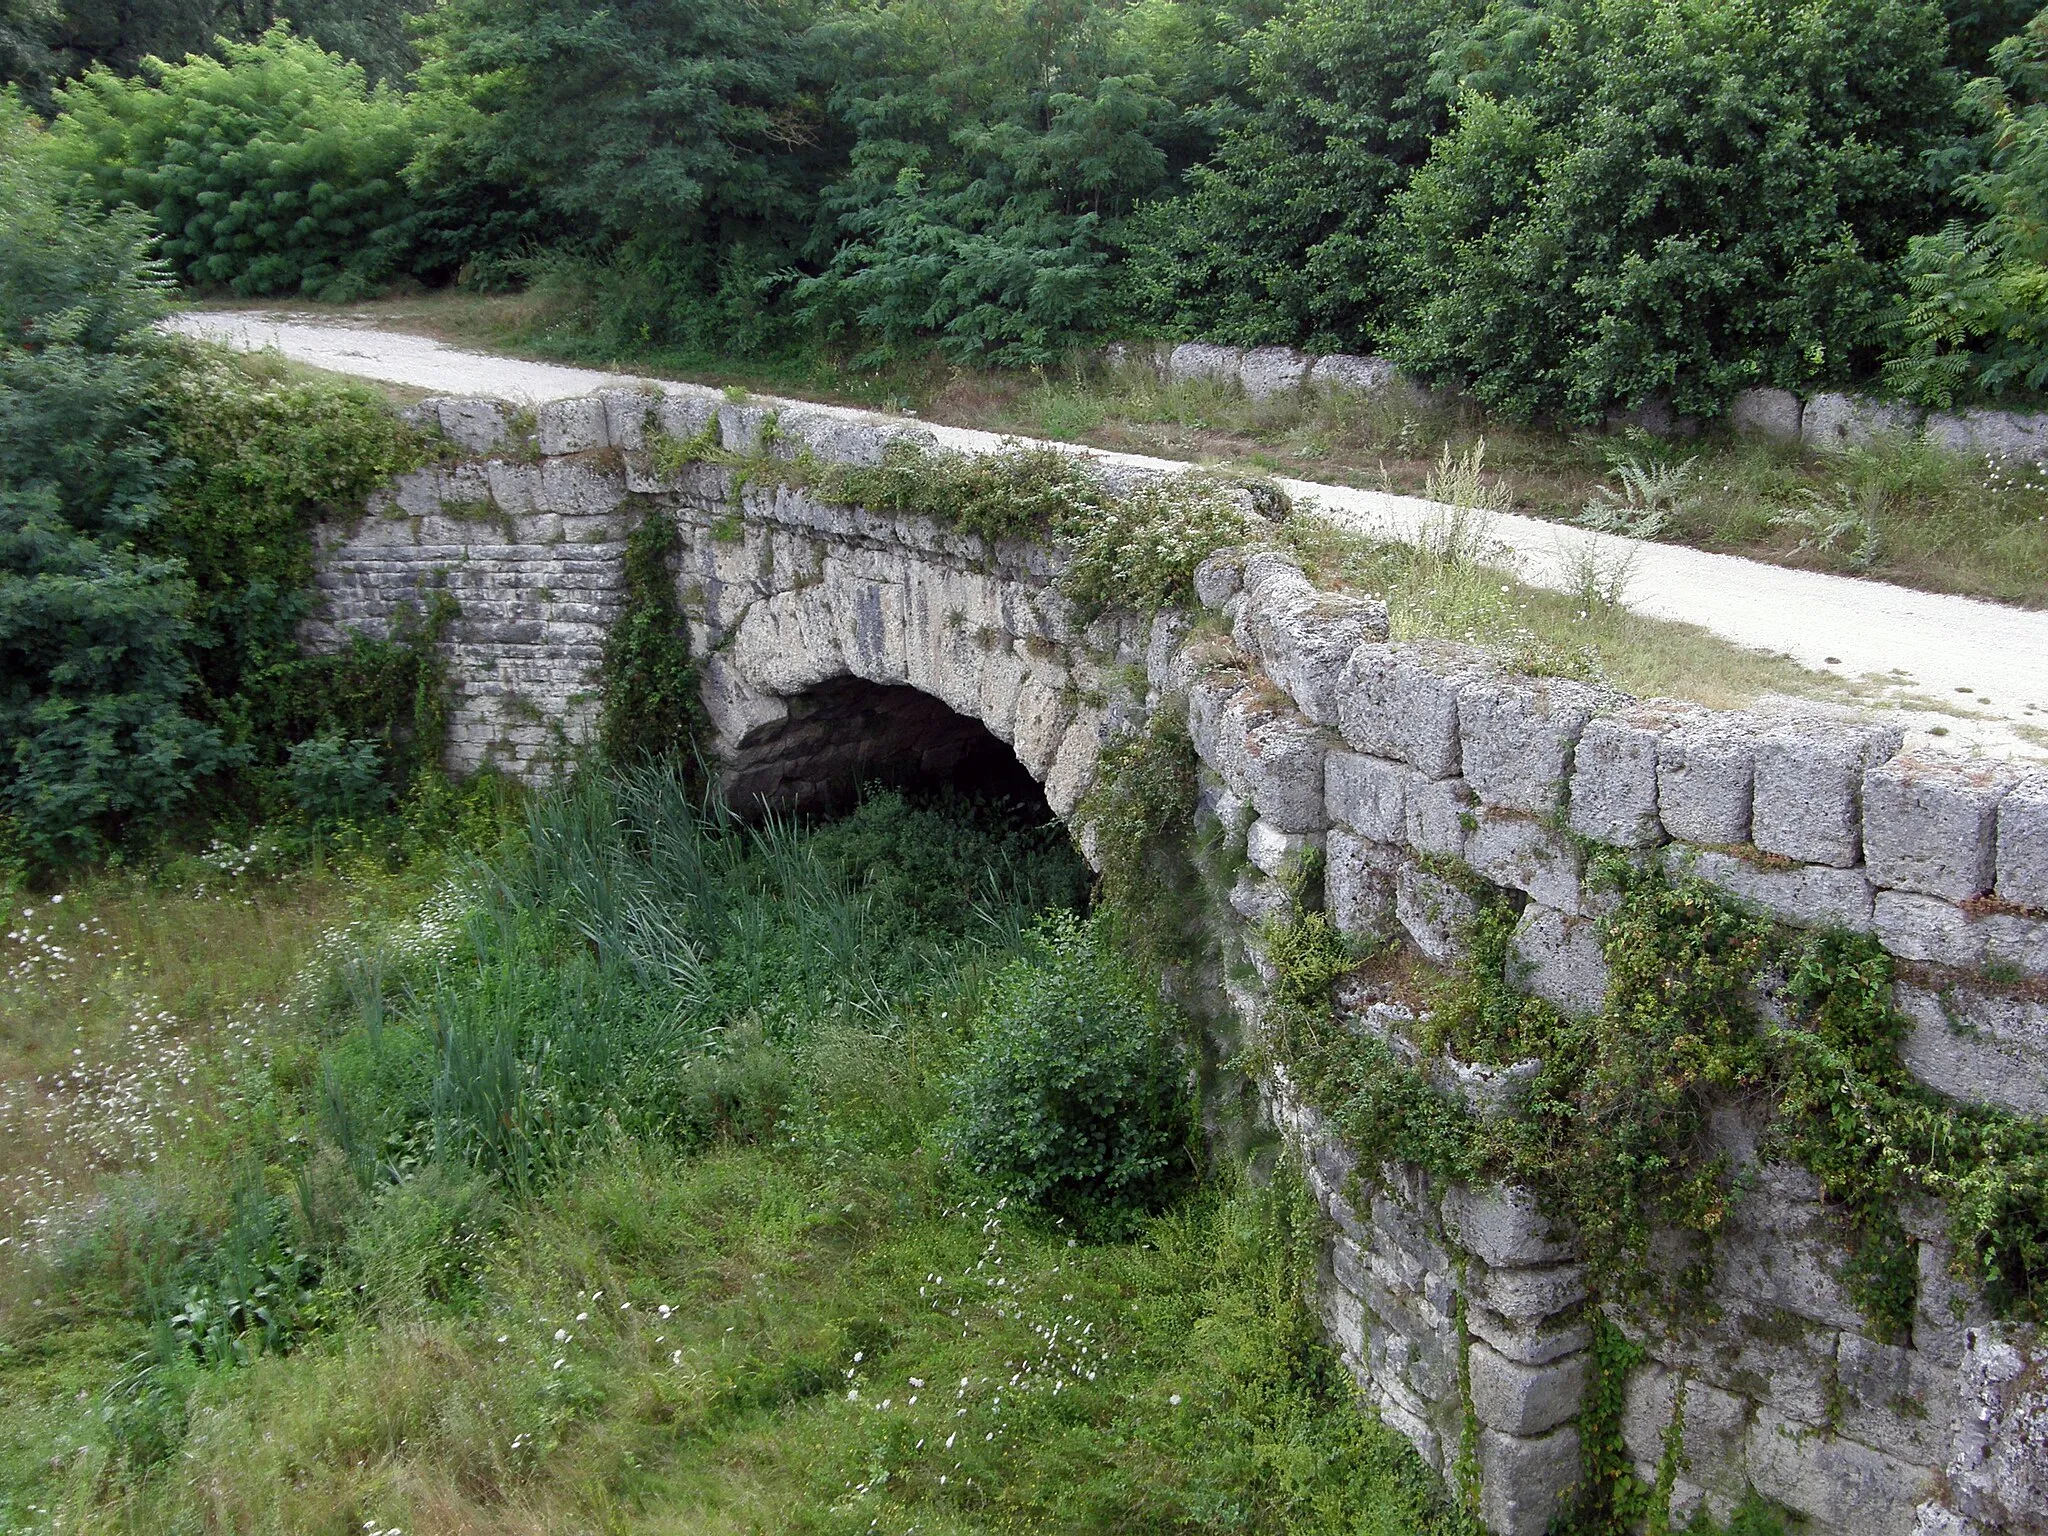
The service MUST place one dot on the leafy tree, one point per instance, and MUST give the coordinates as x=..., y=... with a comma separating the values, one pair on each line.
x=95, y=732
x=680, y=142
x=1676, y=198
x=996, y=146
x=272, y=169
x=1279, y=237
x=1976, y=323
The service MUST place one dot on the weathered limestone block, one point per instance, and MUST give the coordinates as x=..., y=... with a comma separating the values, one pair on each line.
x=1041, y=720
x=734, y=707
x=1535, y=1343
x=1809, y=787
x=1836, y=1483
x=515, y=488
x=1804, y=895
x=1781, y=1250
x=1525, y=1295
x=789, y=642
x=572, y=426
x=1488, y=1089
x=1521, y=1399
x=1402, y=701
x=1999, y=1474
x=1523, y=1482
x=1711, y=1439
x=2023, y=843
x=1997, y=434
x=1439, y=817
x=474, y=426
x=1369, y=794
x=1521, y=852
x=1258, y=899
x=1833, y=421
x=1269, y=371
x=1502, y=1224
x=1895, y=1400
x=1219, y=578
x=1614, y=795
x=1922, y=928
x=1434, y=913
x=1203, y=360
x=1516, y=739
x=1706, y=780
x=626, y=413
x=1283, y=766
x=1218, y=706
x=578, y=488
x=1274, y=851
x=1358, y=884
x=1766, y=413
x=1931, y=824
x=1364, y=375
x=1073, y=765
x=1784, y=1358
x=1305, y=637
x=1977, y=1046
x=1558, y=958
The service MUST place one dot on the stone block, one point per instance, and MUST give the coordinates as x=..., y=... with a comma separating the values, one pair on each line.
x=1439, y=816
x=1523, y=853
x=1521, y=1399
x=1283, y=766
x=1977, y=1046
x=1768, y=413
x=1489, y=1090
x=1524, y=1482
x=1258, y=899
x=1369, y=794
x=626, y=413
x=1529, y=1343
x=1218, y=722
x=1269, y=371
x=2022, y=865
x=1362, y=375
x=1706, y=780
x=1931, y=824
x=1894, y=1400
x=1832, y=422
x=1305, y=637
x=1614, y=794
x=1925, y=929
x=1809, y=787
x=474, y=426
x=1711, y=1438
x=1781, y=1252
x=1502, y=1224
x=1203, y=360
x=685, y=414
x=1434, y=913
x=1558, y=958
x=572, y=426
x=1994, y=434
x=1999, y=1474
x=1516, y=739
x=1276, y=852
x=1804, y=895
x=1838, y=1484
x=1402, y=701
x=1358, y=884
x=1524, y=1295
x=1219, y=578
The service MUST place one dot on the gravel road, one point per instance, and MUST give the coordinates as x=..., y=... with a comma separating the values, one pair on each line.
x=1984, y=664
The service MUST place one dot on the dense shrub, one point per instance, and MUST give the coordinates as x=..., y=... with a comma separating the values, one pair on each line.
x=1073, y=1098
x=1670, y=198
x=1976, y=323
x=274, y=169
x=1280, y=235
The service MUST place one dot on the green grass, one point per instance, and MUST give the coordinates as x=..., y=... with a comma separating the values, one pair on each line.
x=702, y=1264
x=1899, y=510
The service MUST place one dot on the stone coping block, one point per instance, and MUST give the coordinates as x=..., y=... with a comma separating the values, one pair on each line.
x=1615, y=797
x=2022, y=863
x=1706, y=777
x=1516, y=738
x=1931, y=824
x=1401, y=701
x=1808, y=802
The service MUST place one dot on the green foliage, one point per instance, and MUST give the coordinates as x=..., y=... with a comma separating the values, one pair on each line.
x=1975, y=324
x=1024, y=493
x=1281, y=235
x=1137, y=553
x=272, y=170
x=651, y=703
x=1670, y=199
x=1140, y=812
x=1072, y=1098
x=335, y=780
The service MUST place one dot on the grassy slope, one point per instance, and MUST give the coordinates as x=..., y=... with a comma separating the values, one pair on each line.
x=1933, y=520
x=852, y=1340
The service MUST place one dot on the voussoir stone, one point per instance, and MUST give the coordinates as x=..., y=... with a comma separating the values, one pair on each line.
x=1516, y=738
x=1931, y=824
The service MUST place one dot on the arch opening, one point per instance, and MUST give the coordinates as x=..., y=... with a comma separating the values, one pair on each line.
x=847, y=733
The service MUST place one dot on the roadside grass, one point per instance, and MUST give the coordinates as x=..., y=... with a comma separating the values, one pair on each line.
x=1897, y=510
x=700, y=1264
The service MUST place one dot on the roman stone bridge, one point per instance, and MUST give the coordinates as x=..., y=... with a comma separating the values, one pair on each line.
x=840, y=644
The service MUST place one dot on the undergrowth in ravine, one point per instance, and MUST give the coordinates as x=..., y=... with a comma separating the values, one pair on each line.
x=632, y=1175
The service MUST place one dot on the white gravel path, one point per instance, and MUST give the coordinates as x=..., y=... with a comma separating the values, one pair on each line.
x=1984, y=662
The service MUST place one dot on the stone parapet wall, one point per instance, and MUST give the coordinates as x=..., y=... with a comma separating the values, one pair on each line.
x=1461, y=1313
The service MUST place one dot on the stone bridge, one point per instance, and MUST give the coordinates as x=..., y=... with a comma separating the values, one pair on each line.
x=840, y=644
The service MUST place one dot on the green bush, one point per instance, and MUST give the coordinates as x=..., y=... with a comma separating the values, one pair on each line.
x=274, y=169
x=1976, y=321
x=1073, y=1097
x=1643, y=199
x=336, y=780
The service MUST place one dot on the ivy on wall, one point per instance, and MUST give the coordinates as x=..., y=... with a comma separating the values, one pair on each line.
x=651, y=702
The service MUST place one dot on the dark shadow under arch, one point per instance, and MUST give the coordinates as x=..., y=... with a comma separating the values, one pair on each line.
x=847, y=733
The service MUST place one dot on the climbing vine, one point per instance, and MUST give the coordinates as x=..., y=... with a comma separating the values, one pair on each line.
x=651, y=702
